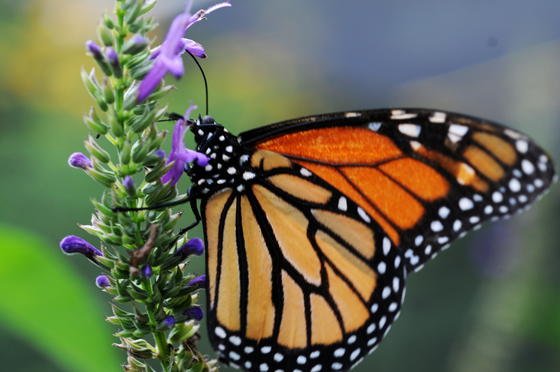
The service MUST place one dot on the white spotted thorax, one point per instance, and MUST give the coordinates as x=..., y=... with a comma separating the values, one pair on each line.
x=228, y=165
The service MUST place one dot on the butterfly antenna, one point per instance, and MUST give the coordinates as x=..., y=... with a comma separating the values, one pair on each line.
x=203, y=77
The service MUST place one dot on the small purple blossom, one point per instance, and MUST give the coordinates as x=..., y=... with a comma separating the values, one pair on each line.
x=197, y=281
x=75, y=244
x=102, y=281
x=79, y=160
x=147, y=271
x=94, y=49
x=128, y=183
x=160, y=153
x=194, y=246
x=167, y=58
x=114, y=62
x=135, y=44
x=112, y=56
x=194, y=312
x=180, y=155
x=169, y=321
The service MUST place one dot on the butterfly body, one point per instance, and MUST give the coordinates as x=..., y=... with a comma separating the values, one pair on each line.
x=312, y=225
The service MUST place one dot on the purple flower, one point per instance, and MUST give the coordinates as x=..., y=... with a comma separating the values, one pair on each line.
x=180, y=155
x=128, y=183
x=197, y=281
x=194, y=312
x=194, y=246
x=102, y=281
x=147, y=271
x=169, y=321
x=167, y=58
x=159, y=153
x=75, y=244
x=79, y=160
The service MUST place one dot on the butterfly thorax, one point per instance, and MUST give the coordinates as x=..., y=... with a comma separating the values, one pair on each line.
x=227, y=166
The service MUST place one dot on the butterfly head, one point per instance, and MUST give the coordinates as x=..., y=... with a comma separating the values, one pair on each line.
x=225, y=154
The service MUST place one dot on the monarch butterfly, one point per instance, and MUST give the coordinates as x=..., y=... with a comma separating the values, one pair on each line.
x=312, y=225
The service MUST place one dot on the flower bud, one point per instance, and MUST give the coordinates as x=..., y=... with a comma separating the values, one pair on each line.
x=108, y=92
x=198, y=281
x=113, y=58
x=102, y=176
x=97, y=54
x=75, y=244
x=194, y=246
x=79, y=160
x=147, y=271
x=139, y=151
x=97, y=151
x=94, y=49
x=102, y=281
x=105, y=35
x=194, y=312
x=169, y=321
x=108, y=22
x=135, y=44
x=128, y=184
x=94, y=124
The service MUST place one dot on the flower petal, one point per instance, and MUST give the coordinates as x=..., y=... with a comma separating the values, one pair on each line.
x=194, y=48
x=151, y=81
x=175, y=66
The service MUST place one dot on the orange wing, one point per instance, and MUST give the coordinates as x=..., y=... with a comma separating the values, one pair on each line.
x=425, y=177
x=294, y=282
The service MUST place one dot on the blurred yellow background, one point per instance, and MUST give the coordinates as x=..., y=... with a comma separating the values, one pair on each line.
x=492, y=303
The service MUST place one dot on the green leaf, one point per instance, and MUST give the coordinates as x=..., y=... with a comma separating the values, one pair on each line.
x=47, y=303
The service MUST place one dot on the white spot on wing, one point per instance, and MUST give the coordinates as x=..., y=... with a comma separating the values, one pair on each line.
x=522, y=146
x=402, y=115
x=466, y=204
x=386, y=246
x=411, y=130
x=527, y=167
x=342, y=203
x=415, y=145
x=364, y=215
x=514, y=185
x=444, y=212
x=374, y=126
x=438, y=117
x=456, y=132
x=248, y=176
x=220, y=332
x=381, y=268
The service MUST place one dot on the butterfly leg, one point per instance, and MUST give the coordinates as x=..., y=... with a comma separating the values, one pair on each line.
x=196, y=213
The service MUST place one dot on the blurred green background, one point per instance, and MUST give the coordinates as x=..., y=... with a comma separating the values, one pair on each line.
x=490, y=304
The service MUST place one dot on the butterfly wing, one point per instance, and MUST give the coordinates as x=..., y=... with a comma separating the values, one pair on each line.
x=425, y=177
x=296, y=282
